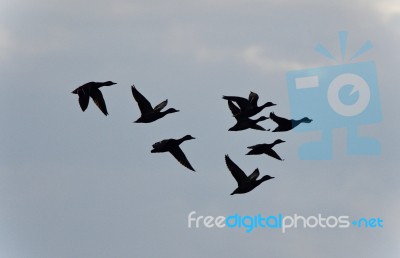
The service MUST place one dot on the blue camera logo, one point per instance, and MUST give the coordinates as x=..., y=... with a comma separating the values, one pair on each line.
x=338, y=96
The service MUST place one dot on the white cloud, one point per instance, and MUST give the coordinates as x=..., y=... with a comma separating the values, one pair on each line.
x=184, y=40
x=257, y=56
x=388, y=8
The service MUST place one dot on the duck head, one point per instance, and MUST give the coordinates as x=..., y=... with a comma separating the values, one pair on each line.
x=306, y=120
x=266, y=177
x=108, y=83
x=268, y=104
x=278, y=141
x=171, y=110
x=188, y=137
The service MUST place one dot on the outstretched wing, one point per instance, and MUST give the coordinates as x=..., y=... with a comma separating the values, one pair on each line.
x=234, y=109
x=236, y=172
x=277, y=119
x=180, y=156
x=253, y=98
x=258, y=127
x=255, y=146
x=83, y=99
x=242, y=102
x=160, y=106
x=99, y=100
x=143, y=103
x=254, y=175
x=272, y=153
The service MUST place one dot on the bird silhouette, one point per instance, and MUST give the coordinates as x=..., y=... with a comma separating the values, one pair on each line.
x=265, y=148
x=245, y=183
x=172, y=146
x=242, y=122
x=248, y=107
x=91, y=89
x=148, y=113
x=287, y=124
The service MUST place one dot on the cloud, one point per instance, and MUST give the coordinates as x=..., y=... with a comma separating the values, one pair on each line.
x=188, y=41
x=388, y=9
x=258, y=56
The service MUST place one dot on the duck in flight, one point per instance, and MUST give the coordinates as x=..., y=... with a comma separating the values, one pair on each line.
x=245, y=183
x=91, y=89
x=248, y=107
x=242, y=122
x=148, y=113
x=265, y=148
x=287, y=124
x=172, y=146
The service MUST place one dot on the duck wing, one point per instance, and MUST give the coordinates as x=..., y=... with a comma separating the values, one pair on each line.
x=160, y=106
x=272, y=153
x=257, y=146
x=253, y=98
x=83, y=99
x=143, y=103
x=242, y=102
x=97, y=97
x=180, y=156
x=234, y=109
x=253, y=176
x=236, y=172
x=277, y=119
x=257, y=127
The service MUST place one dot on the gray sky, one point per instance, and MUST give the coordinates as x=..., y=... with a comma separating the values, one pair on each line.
x=76, y=184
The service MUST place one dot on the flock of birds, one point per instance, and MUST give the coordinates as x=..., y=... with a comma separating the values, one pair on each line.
x=242, y=109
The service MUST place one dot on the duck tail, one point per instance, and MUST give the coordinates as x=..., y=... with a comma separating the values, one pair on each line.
x=252, y=152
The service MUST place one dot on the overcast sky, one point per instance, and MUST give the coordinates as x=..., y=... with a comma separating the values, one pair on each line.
x=79, y=184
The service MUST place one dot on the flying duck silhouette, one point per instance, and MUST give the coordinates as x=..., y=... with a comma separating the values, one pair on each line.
x=242, y=122
x=265, y=148
x=148, y=113
x=248, y=107
x=91, y=89
x=287, y=124
x=245, y=183
x=172, y=146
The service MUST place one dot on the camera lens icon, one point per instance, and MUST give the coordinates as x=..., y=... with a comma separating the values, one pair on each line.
x=359, y=85
x=338, y=96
